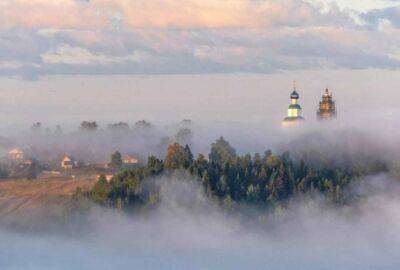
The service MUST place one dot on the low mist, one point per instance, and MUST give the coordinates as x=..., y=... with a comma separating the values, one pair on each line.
x=189, y=232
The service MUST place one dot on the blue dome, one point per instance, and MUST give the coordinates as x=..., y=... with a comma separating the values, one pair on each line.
x=294, y=95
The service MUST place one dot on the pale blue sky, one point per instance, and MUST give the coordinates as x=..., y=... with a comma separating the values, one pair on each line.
x=359, y=5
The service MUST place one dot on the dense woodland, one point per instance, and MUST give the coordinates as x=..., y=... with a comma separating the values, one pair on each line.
x=263, y=180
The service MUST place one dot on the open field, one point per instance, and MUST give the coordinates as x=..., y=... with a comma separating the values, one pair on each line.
x=42, y=199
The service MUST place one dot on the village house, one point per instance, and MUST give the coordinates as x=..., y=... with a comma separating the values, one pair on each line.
x=68, y=162
x=16, y=154
x=129, y=160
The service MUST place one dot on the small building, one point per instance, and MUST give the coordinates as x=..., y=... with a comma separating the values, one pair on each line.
x=129, y=160
x=327, y=107
x=68, y=162
x=294, y=111
x=16, y=154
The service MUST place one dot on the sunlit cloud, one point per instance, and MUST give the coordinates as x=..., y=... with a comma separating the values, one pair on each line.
x=194, y=36
x=154, y=13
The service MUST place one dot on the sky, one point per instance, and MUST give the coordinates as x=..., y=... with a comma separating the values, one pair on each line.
x=65, y=61
x=55, y=37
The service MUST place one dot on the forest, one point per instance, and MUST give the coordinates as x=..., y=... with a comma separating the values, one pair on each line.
x=264, y=180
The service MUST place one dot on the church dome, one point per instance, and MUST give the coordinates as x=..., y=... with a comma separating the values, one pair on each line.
x=294, y=95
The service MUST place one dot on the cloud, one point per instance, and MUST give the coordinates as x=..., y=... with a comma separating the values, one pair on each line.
x=155, y=13
x=170, y=36
x=52, y=14
x=375, y=18
x=76, y=55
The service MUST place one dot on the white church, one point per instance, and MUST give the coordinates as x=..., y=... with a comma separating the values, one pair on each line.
x=294, y=111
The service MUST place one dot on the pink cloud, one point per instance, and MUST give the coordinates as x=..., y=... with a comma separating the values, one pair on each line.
x=59, y=14
x=178, y=14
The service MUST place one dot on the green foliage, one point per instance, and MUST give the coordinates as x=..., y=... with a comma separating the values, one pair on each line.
x=266, y=181
x=100, y=191
x=154, y=166
x=222, y=151
x=79, y=202
x=178, y=157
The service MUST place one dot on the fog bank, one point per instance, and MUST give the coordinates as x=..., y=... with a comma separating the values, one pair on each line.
x=189, y=232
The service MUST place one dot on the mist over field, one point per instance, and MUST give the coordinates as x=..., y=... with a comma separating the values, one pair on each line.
x=153, y=134
x=188, y=231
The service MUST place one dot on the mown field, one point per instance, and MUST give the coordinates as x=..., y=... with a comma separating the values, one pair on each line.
x=32, y=202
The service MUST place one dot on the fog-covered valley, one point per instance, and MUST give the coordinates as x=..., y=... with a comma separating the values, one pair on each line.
x=189, y=229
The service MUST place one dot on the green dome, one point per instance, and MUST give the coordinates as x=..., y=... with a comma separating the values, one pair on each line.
x=295, y=106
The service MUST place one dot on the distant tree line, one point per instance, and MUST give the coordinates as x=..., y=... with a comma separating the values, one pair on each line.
x=265, y=180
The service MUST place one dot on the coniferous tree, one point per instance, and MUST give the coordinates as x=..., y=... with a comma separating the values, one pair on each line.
x=116, y=159
x=222, y=151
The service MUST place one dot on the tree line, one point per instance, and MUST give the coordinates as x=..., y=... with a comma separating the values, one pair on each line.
x=264, y=180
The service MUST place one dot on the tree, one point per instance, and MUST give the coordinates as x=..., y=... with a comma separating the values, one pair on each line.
x=120, y=126
x=176, y=157
x=184, y=136
x=32, y=171
x=253, y=193
x=267, y=180
x=4, y=171
x=37, y=127
x=100, y=190
x=222, y=151
x=143, y=124
x=79, y=205
x=88, y=126
x=154, y=166
x=186, y=123
x=116, y=159
x=188, y=157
